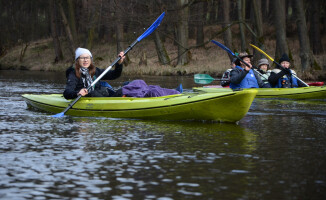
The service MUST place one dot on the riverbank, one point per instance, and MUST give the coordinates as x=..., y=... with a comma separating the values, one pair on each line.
x=39, y=56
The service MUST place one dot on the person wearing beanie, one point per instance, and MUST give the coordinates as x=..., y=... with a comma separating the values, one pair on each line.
x=83, y=73
x=282, y=77
x=226, y=74
x=263, y=66
x=243, y=76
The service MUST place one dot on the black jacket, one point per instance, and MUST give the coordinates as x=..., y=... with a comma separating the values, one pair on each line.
x=74, y=84
x=277, y=74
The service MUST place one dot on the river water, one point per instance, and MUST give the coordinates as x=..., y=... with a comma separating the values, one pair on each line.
x=277, y=151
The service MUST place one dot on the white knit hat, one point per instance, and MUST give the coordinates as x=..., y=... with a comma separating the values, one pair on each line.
x=79, y=51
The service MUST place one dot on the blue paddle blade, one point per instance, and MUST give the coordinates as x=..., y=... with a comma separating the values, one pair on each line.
x=223, y=47
x=58, y=115
x=180, y=88
x=152, y=27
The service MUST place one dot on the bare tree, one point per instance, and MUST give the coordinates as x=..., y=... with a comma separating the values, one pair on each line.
x=160, y=49
x=279, y=23
x=200, y=23
x=305, y=55
x=182, y=32
x=119, y=26
x=56, y=41
x=72, y=46
x=258, y=24
x=315, y=37
x=72, y=19
x=240, y=5
x=162, y=54
x=227, y=35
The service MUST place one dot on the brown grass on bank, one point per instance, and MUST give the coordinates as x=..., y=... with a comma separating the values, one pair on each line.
x=209, y=59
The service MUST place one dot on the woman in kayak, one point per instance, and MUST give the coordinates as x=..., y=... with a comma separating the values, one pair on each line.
x=83, y=73
x=263, y=66
x=243, y=76
x=283, y=77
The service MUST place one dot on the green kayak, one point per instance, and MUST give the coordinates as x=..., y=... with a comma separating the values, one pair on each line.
x=223, y=106
x=312, y=92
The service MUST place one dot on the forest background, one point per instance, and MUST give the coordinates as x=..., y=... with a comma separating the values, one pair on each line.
x=43, y=35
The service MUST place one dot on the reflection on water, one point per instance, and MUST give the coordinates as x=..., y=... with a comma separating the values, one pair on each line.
x=276, y=152
x=120, y=158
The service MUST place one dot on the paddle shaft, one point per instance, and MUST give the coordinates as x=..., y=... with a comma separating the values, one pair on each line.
x=221, y=79
x=278, y=64
x=213, y=79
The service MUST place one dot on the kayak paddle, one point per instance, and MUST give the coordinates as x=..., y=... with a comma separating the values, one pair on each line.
x=206, y=79
x=261, y=51
x=235, y=55
x=145, y=34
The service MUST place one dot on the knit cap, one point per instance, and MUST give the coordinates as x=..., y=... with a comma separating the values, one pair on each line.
x=263, y=61
x=284, y=57
x=79, y=51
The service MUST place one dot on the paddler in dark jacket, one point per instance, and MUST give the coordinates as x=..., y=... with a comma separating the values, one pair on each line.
x=283, y=77
x=243, y=76
x=83, y=73
x=226, y=74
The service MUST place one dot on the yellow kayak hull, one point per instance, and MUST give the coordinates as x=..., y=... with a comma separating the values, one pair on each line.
x=223, y=106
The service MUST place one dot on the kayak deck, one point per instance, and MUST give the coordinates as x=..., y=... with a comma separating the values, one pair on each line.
x=224, y=106
x=312, y=92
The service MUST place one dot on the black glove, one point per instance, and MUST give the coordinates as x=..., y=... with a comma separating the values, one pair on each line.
x=287, y=70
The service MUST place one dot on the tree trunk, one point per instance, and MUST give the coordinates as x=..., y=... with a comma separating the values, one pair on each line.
x=305, y=55
x=265, y=9
x=227, y=35
x=68, y=31
x=259, y=27
x=315, y=37
x=208, y=10
x=279, y=19
x=23, y=51
x=119, y=34
x=199, y=24
x=182, y=29
x=162, y=54
x=90, y=37
x=72, y=19
x=92, y=25
x=56, y=41
x=215, y=5
x=119, y=30
x=118, y=25
x=242, y=31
